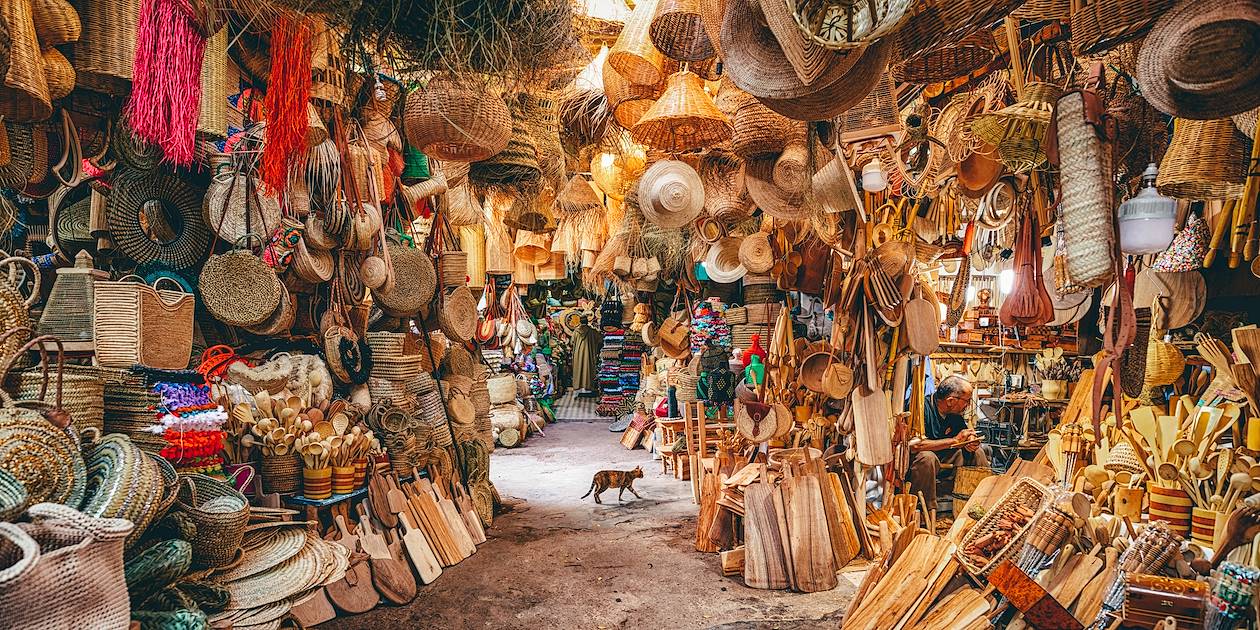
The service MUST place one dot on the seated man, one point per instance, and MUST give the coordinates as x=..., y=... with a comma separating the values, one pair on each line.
x=944, y=428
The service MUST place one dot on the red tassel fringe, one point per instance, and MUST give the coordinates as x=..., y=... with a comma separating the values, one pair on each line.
x=166, y=79
x=287, y=97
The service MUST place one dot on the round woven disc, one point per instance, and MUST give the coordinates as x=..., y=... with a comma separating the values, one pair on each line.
x=182, y=245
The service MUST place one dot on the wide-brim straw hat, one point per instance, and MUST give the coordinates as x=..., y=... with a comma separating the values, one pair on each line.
x=755, y=253
x=634, y=56
x=671, y=194
x=779, y=185
x=755, y=61
x=722, y=263
x=832, y=99
x=1201, y=60
x=683, y=118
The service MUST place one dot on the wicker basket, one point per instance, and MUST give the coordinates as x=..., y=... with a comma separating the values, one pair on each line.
x=220, y=513
x=634, y=56
x=502, y=389
x=138, y=324
x=1086, y=203
x=966, y=478
x=1026, y=493
x=281, y=473
x=453, y=268
x=940, y=23
x=328, y=69
x=212, y=118
x=82, y=395
x=948, y=62
x=1206, y=159
x=450, y=120
x=758, y=130
x=1104, y=24
x=106, y=48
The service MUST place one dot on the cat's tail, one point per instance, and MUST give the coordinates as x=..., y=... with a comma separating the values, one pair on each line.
x=588, y=492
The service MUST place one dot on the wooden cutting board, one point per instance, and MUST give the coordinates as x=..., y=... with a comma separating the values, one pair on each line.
x=391, y=576
x=1076, y=573
x=809, y=543
x=765, y=564
x=378, y=494
x=434, y=525
x=315, y=610
x=871, y=414
x=1090, y=601
x=454, y=524
x=844, y=541
x=355, y=593
x=921, y=326
x=423, y=560
x=468, y=512
x=345, y=537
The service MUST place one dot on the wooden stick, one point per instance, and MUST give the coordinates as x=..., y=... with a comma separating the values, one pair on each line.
x=1223, y=218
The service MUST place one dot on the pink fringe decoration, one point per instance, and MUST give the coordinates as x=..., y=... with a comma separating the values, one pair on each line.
x=288, y=93
x=166, y=84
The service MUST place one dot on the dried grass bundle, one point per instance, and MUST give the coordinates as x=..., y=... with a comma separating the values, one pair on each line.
x=584, y=117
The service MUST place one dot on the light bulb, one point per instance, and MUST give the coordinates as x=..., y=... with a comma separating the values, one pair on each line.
x=873, y=178
x=971, y=294
x=1148, y=221
x=1006, y=280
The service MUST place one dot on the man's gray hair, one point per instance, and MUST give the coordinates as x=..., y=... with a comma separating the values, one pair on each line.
x=950, y=385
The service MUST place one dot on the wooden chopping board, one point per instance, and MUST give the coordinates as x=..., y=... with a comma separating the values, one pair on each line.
x=765, y=564
x=423, y=560
x=809, y=542
x=391, y=576
x=468, y=512
x=920, y=326
x=455, y=524
x=355, y=593
x=315, y=610
x=1076, y=573
x=1090, y=601
x=871, y=414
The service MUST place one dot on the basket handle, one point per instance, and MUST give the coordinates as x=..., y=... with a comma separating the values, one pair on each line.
x=178, y=287
x=244, y=241
x=232, y=480
x=56, y=415
x=16, y=260
x=129, y=278
x=5, y=398
x=29, y=550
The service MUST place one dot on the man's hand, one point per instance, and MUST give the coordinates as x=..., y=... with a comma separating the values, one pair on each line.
x=967, y=435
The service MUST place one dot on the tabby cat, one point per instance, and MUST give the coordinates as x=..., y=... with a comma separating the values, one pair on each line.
x=622, y=479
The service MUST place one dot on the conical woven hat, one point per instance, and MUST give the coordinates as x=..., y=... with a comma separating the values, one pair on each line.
x=671, y=194
x=683, y=118
x=578, y=196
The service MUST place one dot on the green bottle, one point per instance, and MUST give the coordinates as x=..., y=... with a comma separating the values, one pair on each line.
x=755, y=373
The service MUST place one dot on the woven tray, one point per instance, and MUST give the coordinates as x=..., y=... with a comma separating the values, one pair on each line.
x=1025, y=492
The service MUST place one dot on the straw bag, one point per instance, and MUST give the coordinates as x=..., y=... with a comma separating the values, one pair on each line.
x=38, y=445
x=220, y=513
x=458, y=318
x=502, y=389
x=1080, y=141
x=63, y=570
x=15, y=309
x=238, y=288
x=138, y=324
x=488, y=328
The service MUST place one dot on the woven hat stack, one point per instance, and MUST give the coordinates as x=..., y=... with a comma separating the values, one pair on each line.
x=1201, y=59
x=722, y=263
x=671, y=194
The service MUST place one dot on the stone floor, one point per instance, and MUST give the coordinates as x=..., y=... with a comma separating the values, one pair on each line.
x=556, y=561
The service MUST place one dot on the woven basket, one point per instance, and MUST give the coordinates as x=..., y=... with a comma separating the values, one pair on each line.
x=1102, y=25
x=758, y=130
x=949, y=61
x=1025, y=493
x=1206, y=159
x=449, y=120
x=516, y=165
x=83, y=396
x=941, y=23
x=458, y=318
x=384, y=390
x=239, y=289
x=13, y=497
x=220, y=513
x=132, y=190
x=502, y=389
x=415, y=281
x=212, y=117
x=387, y=344
x=281, y=473
x=328, y=68
x=677, y=31
x=735, y=315
x=62, y=551
x=106, y=48
x=628, y=101
x=137, y=324
x=27, y=96
x=453, y=268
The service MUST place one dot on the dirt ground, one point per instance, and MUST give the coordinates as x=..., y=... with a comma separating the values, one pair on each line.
x=557, y=561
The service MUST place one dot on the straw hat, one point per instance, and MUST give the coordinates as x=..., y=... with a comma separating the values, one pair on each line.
x=671, y=194
x=722, y=263
x=779, y=185
x=1201, y=60
x=634, y=56
x=832, y=99
x=755, y=253
x=756, y=63
x=24, y=94
x=683, y=118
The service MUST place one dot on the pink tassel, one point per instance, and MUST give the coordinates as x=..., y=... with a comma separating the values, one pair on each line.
x=166, y=79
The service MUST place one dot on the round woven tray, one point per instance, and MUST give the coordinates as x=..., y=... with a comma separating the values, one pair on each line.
x=239, y=289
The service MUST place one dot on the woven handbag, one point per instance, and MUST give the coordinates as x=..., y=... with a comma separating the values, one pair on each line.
x=138, y=324
x=63, y=570
x=238, y=288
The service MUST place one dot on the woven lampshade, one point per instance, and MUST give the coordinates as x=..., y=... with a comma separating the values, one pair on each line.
x=683, y=118
x=628, y=101
x=725, y=195
x=577, y=196
x=634, y=56
x=1019, y=130
x=516, y=165
x=677, y=31
x=1205, y=160
x=617, y=173
x=450, y=120
x=24, y=93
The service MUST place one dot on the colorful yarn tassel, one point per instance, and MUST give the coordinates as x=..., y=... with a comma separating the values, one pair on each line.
x=166, y=79
x=287, y=97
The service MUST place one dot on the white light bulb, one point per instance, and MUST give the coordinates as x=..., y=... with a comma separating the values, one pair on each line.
x=1006, y=280
x=873, y=178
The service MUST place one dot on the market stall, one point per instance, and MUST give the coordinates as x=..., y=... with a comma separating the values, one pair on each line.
x=951, y=299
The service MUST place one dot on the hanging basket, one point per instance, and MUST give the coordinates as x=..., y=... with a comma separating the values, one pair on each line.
x=449, y=120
